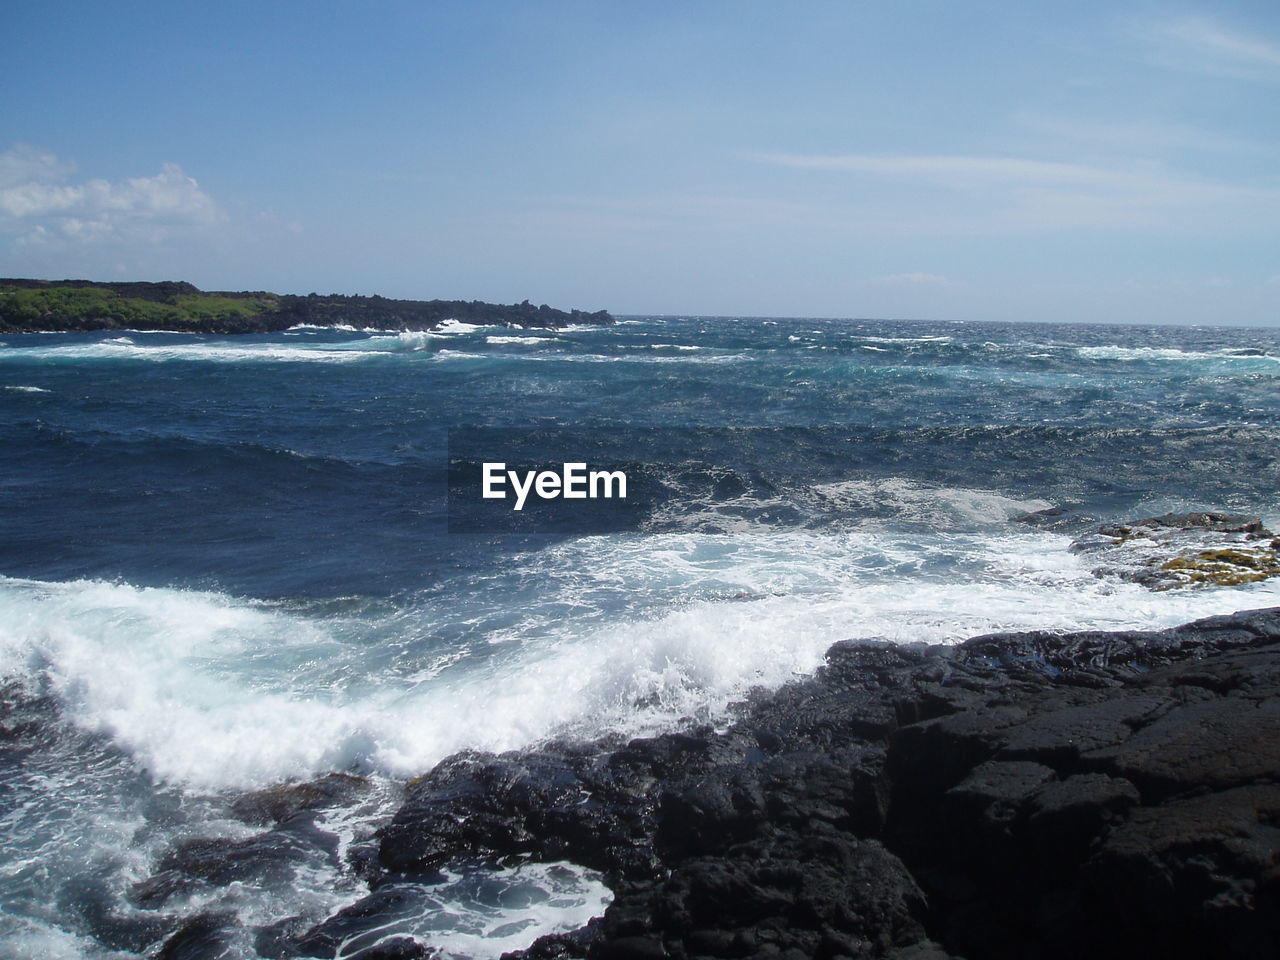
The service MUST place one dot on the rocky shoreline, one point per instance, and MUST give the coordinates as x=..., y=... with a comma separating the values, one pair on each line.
x=40, y=306
x=1018, y=795
x=1021, y=795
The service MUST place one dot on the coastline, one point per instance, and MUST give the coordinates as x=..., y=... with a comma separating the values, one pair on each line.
x=1023, y=794
x=329, y=609
x=893, y=574
x=171, y=306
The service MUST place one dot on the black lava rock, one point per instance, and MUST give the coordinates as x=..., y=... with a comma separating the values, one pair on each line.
x=1040, y=795
x=1018, y=795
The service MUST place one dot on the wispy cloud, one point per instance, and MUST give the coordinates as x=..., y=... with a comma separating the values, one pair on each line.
x=25, y=164
x=1204, y=44
x=964, y=171
x=1209, y=35
x=1023, y=193
x=40, y=205
x=1133, y=137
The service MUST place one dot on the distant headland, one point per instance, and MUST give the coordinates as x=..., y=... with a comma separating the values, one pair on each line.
x=28, y=306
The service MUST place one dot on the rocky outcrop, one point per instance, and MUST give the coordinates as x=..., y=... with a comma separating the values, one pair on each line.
x=1184, y=550
x=1021, y=795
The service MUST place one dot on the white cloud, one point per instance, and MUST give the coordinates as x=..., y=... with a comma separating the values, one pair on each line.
x=973, y=171
x=25, y=164
x=40, y=207
x=1203, y=44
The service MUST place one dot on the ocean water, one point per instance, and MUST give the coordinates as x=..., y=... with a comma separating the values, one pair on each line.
x=225, y=564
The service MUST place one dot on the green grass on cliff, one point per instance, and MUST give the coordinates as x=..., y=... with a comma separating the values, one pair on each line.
x=210, y=307
x=82, y=303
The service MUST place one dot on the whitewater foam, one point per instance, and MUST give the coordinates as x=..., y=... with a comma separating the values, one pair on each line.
x=664, y=627
x=451, y=326
x=1114, y=352
x=406, y=341
x=905, y=339
x=202, y=351
x=237, y=351
x=342, y=327
x=919, y=501
x=163, y=702
x=486, y=913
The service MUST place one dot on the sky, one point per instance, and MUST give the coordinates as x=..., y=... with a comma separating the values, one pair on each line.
x=1098, y=162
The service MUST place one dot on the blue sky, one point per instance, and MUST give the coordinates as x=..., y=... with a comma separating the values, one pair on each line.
x=1104, y=162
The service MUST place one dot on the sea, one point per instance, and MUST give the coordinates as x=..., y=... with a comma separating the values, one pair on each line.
x=232, y=563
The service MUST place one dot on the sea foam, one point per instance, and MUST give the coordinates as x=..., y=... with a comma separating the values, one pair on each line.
x=664, y=627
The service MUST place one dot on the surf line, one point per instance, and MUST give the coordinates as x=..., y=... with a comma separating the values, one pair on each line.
x=573, y=482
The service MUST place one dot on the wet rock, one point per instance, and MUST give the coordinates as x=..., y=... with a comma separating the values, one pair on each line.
x=1211, y=745
x=815, y=894
x=397, y=948
x=361, y=928
x=1065, y=779
x=1033, y=794
x=1042, y=517
x=268, y=859
x=597, y=811
x=206, y=936
x=1185, y=550
x=1218, y=522
x=93, y=903
x=1204, y=868
x=1062, y=519
x=560, y=946
x=1064, y=817
x=278, y=941
x=279, y=803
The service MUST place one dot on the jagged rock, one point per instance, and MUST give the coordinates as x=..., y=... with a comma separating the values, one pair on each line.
x=268, y=858
x=359, y=930
x=1218, y=522
x=821, y=895
x=1091, y=794
x=596, y=811
x=1185, y=550
x=1204, y=869
x=277, y=804
x=1056, y=518
x=1212, y=745
x=994, y=799
x=206, y=936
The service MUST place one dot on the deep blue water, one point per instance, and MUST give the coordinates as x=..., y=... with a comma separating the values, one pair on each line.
x=225, y=561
